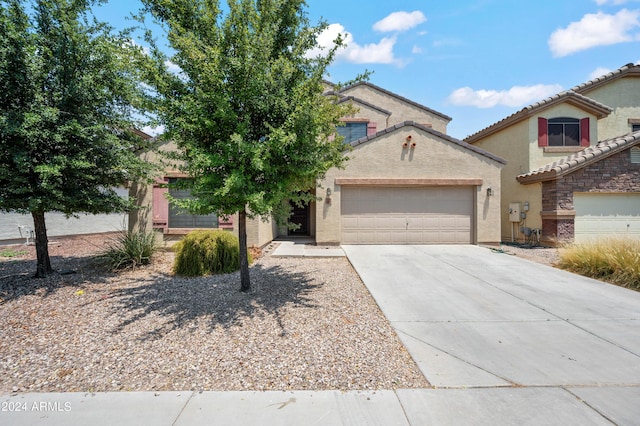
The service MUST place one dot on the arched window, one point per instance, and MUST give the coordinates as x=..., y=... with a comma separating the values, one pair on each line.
x=564, y=131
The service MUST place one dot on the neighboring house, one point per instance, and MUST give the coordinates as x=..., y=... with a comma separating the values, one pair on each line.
x=406, y=182
x=560, y=184
x=16, y=226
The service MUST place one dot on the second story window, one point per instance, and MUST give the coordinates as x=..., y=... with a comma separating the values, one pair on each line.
x=352, y=131
x=564, y=131
x=559, y=132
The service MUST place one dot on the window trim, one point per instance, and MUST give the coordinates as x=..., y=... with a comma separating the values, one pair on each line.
x=175, y=211
x=584, y=137
x=351, y=123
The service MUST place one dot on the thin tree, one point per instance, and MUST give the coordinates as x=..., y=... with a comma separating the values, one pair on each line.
x=68, y=88
x=247, y=108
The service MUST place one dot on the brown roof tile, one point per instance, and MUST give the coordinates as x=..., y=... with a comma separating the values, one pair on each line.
x=598, y=109
x=581, y=159
x=433, y=132
x=624, y=71
x=409, y=101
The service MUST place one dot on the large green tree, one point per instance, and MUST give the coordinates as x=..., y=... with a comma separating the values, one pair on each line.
x=69, y=92
x=247, y=106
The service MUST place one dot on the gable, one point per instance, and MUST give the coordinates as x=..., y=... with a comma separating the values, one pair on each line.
x=401, y=109
x=410, y=149
x=569, y=98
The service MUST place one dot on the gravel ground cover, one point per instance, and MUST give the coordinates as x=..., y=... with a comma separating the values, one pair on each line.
x=308, y=324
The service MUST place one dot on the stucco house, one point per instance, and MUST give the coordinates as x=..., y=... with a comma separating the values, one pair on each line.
x=573, y=162
x=406, y=182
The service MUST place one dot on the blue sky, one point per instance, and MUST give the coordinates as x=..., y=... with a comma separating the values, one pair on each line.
x=476, y=61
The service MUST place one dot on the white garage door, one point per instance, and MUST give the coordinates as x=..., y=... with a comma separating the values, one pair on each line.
x=612, y=215
x=396, y=215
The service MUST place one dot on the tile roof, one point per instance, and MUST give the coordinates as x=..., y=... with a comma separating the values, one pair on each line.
x=363, y=102
x=433, y=132
x=386, y=92
x=626, y=70
x=598, y=109
x=581, y=159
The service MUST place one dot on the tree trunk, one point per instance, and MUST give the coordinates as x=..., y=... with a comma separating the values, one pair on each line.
x=43, y=268
x=245, y=282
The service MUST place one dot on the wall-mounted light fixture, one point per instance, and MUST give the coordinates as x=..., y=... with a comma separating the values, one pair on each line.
x=328, y=192
x=489, y=192
x=328, y=197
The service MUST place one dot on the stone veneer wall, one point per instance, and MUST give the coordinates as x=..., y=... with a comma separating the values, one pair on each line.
x=613, y=174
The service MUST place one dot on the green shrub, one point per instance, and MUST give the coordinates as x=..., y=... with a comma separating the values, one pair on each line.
x=207, y=252
x=130, y=249
x=613, y=260
x=12, y=253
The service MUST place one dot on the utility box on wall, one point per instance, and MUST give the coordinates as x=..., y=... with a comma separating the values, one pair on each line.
x=514, y=212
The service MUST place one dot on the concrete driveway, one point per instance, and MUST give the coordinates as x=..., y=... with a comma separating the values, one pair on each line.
x=525, y=337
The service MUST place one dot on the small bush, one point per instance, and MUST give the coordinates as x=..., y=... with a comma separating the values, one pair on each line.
x=207, y=252
x=613, y=260
x=130, y=249
x=13, y=253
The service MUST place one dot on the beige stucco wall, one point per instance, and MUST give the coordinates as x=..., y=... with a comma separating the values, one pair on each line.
x=400, y=111
x=433, y=158
x=508, y=145
x=141, y=219
x=518, y=144
x=260, y=230
x=371, y=114
x=623, y=96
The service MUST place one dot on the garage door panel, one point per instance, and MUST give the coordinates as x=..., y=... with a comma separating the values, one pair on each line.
x=606, y=215
x=425, y=215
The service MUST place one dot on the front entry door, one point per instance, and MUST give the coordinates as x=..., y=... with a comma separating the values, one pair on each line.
x=300, y=217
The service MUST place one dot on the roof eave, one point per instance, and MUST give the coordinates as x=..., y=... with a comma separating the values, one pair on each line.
x=571, y=98
x=395, y=95
x=426, y=129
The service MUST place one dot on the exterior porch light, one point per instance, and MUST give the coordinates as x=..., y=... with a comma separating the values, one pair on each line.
x=489, y=192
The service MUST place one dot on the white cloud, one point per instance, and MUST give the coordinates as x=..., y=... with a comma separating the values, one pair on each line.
x=598, y=72
x=613, y=2
x=514, y=97
x=400, y=21
x=153, y=131
x=373, y=53
x=172, y=67
x=594, y=29
x=416, y=49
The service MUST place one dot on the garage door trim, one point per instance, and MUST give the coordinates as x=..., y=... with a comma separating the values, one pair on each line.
x=406, y=182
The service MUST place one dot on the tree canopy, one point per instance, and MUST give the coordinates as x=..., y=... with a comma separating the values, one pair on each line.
x=70, y=93
x=247, y=107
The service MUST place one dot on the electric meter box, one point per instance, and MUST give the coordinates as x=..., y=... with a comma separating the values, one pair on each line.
x=514, y=212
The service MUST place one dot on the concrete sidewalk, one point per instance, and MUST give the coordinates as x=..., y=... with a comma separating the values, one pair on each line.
x=498, y=406
x=305, y=247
